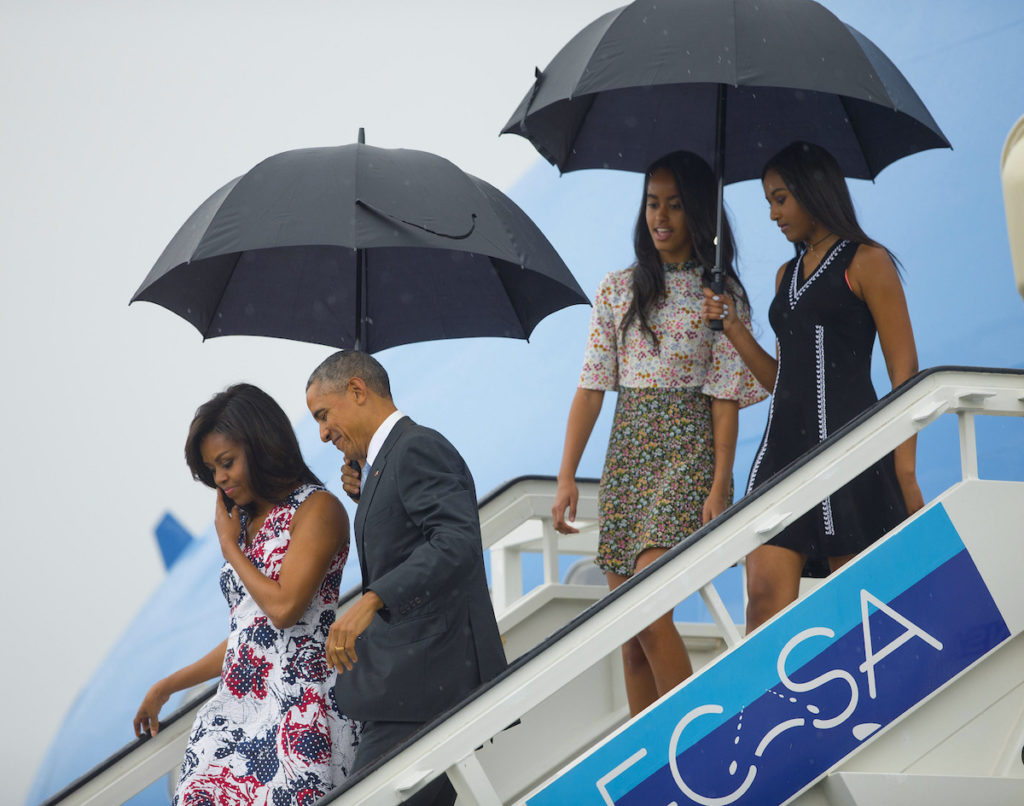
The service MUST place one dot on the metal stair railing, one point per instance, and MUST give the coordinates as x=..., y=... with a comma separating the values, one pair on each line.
x=449, y=742
x=146, y=759
x=516, y=519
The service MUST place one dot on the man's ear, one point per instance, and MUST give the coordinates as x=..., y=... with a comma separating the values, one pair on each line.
x=358, y=388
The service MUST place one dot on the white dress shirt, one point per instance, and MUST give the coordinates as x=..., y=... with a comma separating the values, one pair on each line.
x=379, y=436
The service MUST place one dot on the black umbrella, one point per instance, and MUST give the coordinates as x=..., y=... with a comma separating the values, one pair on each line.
x=356, y=246
x=734, y=81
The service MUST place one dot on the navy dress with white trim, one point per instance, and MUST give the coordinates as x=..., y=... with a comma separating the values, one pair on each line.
x=825, y=335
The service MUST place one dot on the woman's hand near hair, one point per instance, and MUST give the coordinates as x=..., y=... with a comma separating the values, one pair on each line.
x=147, y=718
x=873, y=278
x=583, y=413
x=227, y=525
x=319, y=530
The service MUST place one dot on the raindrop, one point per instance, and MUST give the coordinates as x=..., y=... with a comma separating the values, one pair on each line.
x=792, y=699
x=814, y=709
x=732, y=768
x=736, y=740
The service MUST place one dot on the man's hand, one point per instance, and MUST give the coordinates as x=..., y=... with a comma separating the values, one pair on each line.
x=351, y=479
x=340, y=648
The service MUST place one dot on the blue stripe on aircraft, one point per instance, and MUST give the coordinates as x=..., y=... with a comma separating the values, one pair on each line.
x=923, y=573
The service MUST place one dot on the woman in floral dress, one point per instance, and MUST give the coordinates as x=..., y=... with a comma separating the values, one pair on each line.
x=668, y=469
x=271, y=734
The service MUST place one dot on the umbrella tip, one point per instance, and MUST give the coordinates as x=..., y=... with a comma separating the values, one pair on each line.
x=362, y=135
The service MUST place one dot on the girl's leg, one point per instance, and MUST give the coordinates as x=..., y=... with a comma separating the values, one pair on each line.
x=666, y=653
x=641, y=690
x=662, y=651
x=835, y=563
x=773, y=581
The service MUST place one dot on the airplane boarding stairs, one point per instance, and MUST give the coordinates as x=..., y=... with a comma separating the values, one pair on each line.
x=899, y=680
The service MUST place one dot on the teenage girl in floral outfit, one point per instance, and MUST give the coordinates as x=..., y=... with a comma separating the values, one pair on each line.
x=668, y=469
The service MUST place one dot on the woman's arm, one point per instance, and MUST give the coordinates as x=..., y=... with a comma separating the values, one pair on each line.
x=762, y=364
x=206, y=668
x=319, y=529
x=583, y=413
x=724, y=427
x=872, y=277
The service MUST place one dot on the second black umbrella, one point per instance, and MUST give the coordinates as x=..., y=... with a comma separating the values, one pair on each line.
x=734, y=81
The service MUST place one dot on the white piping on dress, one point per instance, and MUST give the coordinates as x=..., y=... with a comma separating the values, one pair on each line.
x=819, y=373
x=768, y=426
x=794, y=292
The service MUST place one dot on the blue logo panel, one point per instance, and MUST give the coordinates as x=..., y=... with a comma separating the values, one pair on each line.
x=807, y=689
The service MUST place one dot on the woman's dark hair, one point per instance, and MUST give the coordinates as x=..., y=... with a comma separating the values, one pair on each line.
x=249, y=416
x=814, y=178
x=698, y=192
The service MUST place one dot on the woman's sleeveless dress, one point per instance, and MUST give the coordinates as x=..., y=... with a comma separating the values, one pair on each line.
x=825, y=336
x=271, y=734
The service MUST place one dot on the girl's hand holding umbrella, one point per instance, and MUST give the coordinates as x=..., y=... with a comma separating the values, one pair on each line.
x=719, y=307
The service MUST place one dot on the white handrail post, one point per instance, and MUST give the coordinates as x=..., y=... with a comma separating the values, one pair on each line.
x=550, y=553
x=471, y=782
x=968, y=445
x=506, y=577
x=714, y=603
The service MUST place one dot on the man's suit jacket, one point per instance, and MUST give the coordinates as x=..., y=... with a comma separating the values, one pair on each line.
x=417, y=531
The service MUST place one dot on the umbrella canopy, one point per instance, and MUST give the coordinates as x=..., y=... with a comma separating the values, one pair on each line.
x=645, y=80
x=360, y=247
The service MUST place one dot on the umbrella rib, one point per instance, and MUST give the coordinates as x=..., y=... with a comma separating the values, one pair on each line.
x=583, y=119
x=872, y=173
x=220, y=298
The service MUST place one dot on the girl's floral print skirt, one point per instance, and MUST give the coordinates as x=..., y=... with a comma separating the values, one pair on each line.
x=657, y=473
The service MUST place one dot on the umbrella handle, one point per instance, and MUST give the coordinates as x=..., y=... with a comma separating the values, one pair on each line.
x=717, y=286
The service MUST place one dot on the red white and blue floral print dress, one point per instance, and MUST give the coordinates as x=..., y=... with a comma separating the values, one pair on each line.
x=271, y=735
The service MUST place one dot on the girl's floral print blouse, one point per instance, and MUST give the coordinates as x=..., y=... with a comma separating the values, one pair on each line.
x=691, y=353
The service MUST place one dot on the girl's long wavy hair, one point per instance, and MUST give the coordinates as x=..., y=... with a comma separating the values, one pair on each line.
x=249, y=416
x=816, y=181
x=698, y=193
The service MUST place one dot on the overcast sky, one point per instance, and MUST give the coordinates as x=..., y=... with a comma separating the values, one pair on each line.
x=116, y=120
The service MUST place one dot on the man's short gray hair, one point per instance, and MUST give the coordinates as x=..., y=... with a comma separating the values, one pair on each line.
x=338, y=369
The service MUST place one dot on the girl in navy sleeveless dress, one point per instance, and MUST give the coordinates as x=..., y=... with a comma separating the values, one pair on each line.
x=830, y=301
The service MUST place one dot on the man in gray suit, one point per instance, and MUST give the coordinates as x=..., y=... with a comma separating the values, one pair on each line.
x=423, y=633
